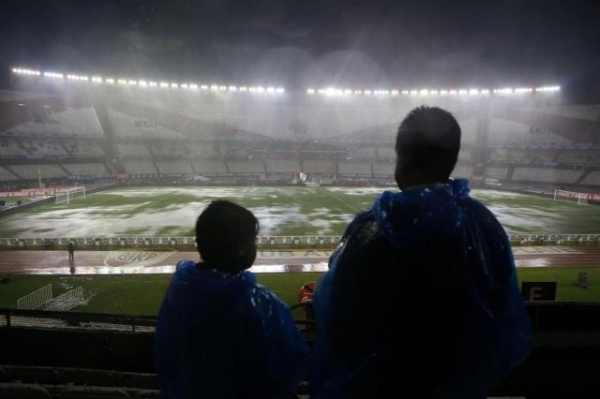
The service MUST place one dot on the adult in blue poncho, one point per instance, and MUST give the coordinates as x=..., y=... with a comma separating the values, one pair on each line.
x=220, y=334
x=421, y=297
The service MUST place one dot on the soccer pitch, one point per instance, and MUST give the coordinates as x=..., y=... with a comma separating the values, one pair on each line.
x=282, y=211
x=172, y=211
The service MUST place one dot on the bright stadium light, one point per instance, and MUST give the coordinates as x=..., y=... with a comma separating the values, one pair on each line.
x=328, y=91
x=54, y=75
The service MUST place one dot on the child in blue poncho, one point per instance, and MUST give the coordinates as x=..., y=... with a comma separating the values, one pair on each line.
x=421, y=297
x=220, y=334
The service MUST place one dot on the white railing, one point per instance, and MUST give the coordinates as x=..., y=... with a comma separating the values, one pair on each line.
x=262, y=241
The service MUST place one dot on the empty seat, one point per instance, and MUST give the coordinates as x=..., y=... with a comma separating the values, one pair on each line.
x=136, y=380
x=32, y=374
x=90, y=392
x=147, y=394
x=17, y=390
x=93, y=377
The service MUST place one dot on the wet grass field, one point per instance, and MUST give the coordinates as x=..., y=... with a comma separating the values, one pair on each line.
x=171, y=211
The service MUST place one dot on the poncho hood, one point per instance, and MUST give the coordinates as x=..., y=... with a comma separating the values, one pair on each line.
x=411, y=217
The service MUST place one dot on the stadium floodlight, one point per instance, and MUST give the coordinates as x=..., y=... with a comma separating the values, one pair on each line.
x=395, y=92
x=122, y=81
x=368, y=92
x=193, y=86
x=473, y=92
x=485, y=92
x=405, y=92
x=152, y=84
x=462, y=92
x=504, y=91
x=270, y=89
x=54, y=75
x=424, y=92
x=232, y=88
x=174, y=86
x=109, y=81
x=96, y=79
x=280, y=90
x=548, y=89
x=204, y=87
x=142, y=83
x=243, y=88
x=357, y=91
x=310, y=91
x=164, y=85
x=444, y=92
x=22, y=71
x=214, y=87
x=260, y=89
x=184, y=86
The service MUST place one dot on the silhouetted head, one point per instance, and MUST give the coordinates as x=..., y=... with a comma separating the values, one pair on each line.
x=427, y=147
x=226, y=236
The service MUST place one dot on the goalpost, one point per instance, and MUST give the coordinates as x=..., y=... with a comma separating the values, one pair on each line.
x=70, y=194
x=580, y=198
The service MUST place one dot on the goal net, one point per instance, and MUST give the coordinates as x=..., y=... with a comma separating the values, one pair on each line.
x=573, y=196
x=66, y=196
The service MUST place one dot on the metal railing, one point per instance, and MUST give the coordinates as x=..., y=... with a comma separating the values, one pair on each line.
x=263, y=242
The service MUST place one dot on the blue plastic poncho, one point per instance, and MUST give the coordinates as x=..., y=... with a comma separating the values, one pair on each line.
x=221, y=335
x=421, y=301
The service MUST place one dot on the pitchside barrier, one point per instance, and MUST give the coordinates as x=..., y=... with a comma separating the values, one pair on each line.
x=263, y=242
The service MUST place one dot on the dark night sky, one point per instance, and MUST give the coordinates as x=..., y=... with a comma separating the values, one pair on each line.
x=297, y=44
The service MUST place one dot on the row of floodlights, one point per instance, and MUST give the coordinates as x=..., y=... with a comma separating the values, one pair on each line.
x=149, y=83
x=259, y=89
x=427, y=92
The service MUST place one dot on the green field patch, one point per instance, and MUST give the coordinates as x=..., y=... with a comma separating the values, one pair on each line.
x=48, y=230
x=304, y=211
x=142, y=294
x=168, y=231
x=139, y=294
x=566, y=278
x=12, y=232
x=135, y=232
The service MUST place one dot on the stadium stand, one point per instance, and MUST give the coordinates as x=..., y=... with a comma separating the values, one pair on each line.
x=542, y=146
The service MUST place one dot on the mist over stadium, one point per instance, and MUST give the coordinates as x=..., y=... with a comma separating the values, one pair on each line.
x=121, y=121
